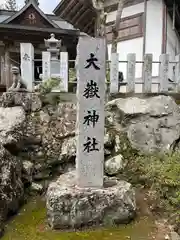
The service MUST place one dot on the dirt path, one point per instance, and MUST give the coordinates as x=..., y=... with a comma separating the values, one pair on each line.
x=145, y=204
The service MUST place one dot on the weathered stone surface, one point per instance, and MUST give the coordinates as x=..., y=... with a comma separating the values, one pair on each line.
x=90, y=163
x=68, y=150
x=49, y=129
x=174, y=236
x=11, y=187
x=114, y=165
x=29, y=101
x=151, y=124
x=71, y=207
x=66, y=113
x=11, y=125
x=66, y=167
x=108, y=140
x=27, y=171
x=36, y=187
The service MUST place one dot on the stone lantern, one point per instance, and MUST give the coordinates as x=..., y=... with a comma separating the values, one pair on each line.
x=53, y=46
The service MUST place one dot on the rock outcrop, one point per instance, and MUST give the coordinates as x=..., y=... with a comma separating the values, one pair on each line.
x=11, y=187
x=42, y=137
x=44, y=134
x=11, y=125
x=152, y=124
x=114, y=165
x=46, y=130
x=71, y=207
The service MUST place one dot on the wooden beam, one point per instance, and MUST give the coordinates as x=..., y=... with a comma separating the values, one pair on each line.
x=87, y=3
x=78, y=14
x=88, y=20
x=114, y=2
x=112, y=5
x=82, y=15
x=90, y=23
x=68, y=8
x=76, y=9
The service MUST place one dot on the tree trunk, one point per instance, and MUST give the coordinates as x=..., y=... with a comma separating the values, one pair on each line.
x=115, y=28
x=101, y=17
x=98, y=5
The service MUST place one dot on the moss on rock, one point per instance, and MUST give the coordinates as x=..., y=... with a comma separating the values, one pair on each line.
x=121, y=144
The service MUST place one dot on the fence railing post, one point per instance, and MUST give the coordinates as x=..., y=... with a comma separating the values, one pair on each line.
x=177, y=73
x=163, y=73
x=46, y=66
x=147, y=73
x=114, y=73
x=131, y=67
x=2, y=66
x=64, y=71
x=27, y=64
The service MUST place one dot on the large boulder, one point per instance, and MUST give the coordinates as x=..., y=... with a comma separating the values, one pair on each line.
x=71, y=207
x=11, y=187
x=47, y=131
x=68, y=149
x=11, y=125
x=114, y=165
x=29, y=101
x=151, y=125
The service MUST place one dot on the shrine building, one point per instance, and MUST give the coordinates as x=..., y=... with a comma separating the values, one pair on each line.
x=30, y=24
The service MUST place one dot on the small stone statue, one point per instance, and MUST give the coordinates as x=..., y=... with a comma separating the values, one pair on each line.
x=18, y=84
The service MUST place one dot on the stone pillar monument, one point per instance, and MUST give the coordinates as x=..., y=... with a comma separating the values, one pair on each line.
x=84, y=197
x=90, y=115
x=27, y=65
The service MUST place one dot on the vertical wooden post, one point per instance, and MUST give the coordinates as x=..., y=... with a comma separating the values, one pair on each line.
x=131, y=68
x=177, y=73
x=7, y=66
x=27, y=64
x=114, y=73
x=147, y=73
x=46, y=65
x=163, y=73
x=3, y=80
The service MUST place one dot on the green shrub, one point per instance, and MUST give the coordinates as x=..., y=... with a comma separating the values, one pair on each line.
x=72, y=74
x=47, y=86
x=161, y=174
x=46, y=94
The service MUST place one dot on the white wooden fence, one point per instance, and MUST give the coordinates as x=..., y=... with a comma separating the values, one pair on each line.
x=148, y=83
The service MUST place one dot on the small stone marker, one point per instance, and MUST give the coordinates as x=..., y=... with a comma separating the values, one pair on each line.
x=114, y=73
x=27, y=64
x=46, y=58
x=64, y=71
x=147, y=73
x=131, y=72
x=91, y=54
x=163, y=73
x=177, y=75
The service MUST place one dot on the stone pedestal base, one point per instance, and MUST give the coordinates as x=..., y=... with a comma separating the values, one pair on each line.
x=71, y=207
